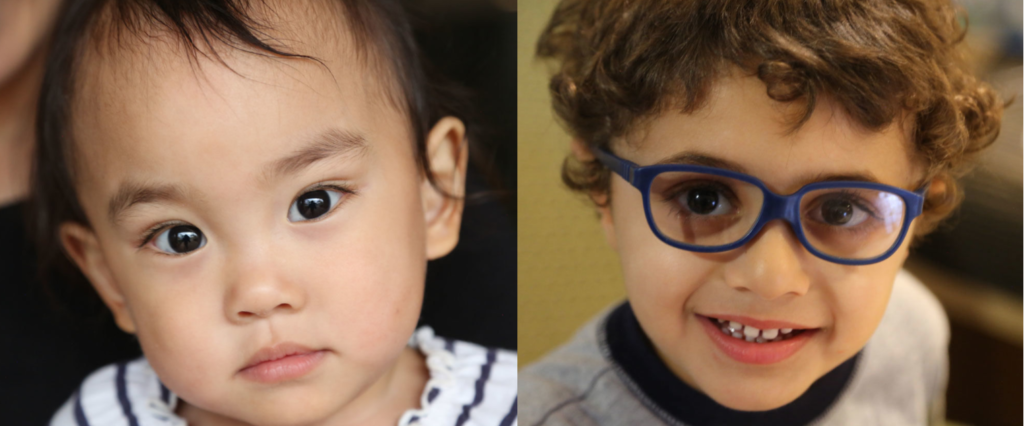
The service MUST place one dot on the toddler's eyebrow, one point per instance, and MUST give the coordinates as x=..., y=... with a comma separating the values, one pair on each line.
x=131, y=193
x=330, y=143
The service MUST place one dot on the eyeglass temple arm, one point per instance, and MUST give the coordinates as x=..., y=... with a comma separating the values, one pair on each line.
x=917, y=206
x=621, y=167
x=923, y=189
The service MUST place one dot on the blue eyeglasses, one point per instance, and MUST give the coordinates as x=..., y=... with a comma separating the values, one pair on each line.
x=707, y=209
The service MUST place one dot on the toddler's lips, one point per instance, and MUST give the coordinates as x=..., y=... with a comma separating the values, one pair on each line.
x=752, y=346
x=281, y=362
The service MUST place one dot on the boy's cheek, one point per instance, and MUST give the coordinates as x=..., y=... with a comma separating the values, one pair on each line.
x=664, y=282
x=859, y=301
x=655, y=272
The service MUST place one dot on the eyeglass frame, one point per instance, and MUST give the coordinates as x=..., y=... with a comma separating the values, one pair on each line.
x=774, y=206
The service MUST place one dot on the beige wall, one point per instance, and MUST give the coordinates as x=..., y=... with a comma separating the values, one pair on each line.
x=567, y=273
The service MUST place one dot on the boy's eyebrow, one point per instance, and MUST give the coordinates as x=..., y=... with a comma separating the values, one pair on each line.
x=130, y=193
x=860, y=177
x=699, y=159
x=330, y=143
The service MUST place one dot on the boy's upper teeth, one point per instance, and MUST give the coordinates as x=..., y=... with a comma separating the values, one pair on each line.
x=751, y=331
x=754, y=332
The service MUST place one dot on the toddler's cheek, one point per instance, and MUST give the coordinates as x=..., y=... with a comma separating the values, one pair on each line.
x=189, y=378
x=381, y=337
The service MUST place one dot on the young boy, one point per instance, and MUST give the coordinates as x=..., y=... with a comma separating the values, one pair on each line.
x=761, y=169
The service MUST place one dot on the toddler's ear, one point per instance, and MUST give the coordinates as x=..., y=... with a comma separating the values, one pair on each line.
x=447, y=152
x=583, y=154
x=81, y=245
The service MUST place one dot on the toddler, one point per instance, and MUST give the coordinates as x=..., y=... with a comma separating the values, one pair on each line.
x=254, y=190
x=761, y=169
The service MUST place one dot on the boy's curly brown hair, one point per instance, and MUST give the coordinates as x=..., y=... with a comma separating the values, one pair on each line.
x=621, y=61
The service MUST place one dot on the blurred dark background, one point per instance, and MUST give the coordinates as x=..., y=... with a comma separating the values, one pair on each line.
x=975, y=263
x=471, y=293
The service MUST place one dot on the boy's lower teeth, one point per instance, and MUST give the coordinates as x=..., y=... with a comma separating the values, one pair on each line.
x=751, y=334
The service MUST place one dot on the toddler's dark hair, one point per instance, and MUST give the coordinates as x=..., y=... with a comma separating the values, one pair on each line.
x=622, y=61
x=381, y=29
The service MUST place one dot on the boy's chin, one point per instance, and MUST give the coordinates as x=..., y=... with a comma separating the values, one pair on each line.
x=757, y=398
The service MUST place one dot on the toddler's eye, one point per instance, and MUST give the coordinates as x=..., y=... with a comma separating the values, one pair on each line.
x=313, y=204
x=180, y=239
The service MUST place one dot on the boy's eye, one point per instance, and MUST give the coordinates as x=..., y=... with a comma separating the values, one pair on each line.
x=180, y=239
x=313, y=204
x=839, y=211
x=707, y=201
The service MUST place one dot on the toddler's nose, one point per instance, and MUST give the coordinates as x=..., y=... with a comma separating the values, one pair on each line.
x=261, y=293
x=262, y=303
x=770, y=265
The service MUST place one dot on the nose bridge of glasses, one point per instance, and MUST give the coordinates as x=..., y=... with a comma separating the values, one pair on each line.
x=786, y=207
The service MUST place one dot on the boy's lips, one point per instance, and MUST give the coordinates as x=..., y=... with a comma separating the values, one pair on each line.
x=749, y=352
x=281, y=362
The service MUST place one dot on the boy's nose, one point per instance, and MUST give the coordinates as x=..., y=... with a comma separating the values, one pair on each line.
x=261, y=292
x=770, y=264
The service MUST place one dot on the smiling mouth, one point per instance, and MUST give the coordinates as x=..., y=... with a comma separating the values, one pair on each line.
x=753, y=334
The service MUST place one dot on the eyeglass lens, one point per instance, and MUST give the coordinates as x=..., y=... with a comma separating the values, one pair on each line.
x=708, y=210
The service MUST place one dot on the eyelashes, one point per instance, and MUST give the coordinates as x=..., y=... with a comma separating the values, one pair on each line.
x=180, y=239
x=313, y=204
x=317, y=202
x=153, y=231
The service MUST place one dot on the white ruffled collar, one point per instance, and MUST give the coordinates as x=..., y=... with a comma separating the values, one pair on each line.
x=461, y=373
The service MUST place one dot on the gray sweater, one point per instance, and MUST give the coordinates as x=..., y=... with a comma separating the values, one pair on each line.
x=898, y=379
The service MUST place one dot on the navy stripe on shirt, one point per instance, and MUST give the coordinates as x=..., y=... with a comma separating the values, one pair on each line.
x=122, y=394
x=433, y=394
x=485, y=373
x=79, y=412
x=165, y=394
x=511, y=416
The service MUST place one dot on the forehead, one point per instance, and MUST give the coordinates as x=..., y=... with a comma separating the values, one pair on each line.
x=142, y=105
x=741, y=125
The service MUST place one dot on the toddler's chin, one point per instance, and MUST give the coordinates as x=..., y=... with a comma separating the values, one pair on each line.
x=285, y=416
x=263, y=413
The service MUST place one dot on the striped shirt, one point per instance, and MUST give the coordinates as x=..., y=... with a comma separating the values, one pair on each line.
x=469, y=385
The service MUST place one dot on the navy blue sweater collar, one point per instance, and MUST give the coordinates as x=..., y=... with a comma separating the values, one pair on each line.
x=632, y=351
